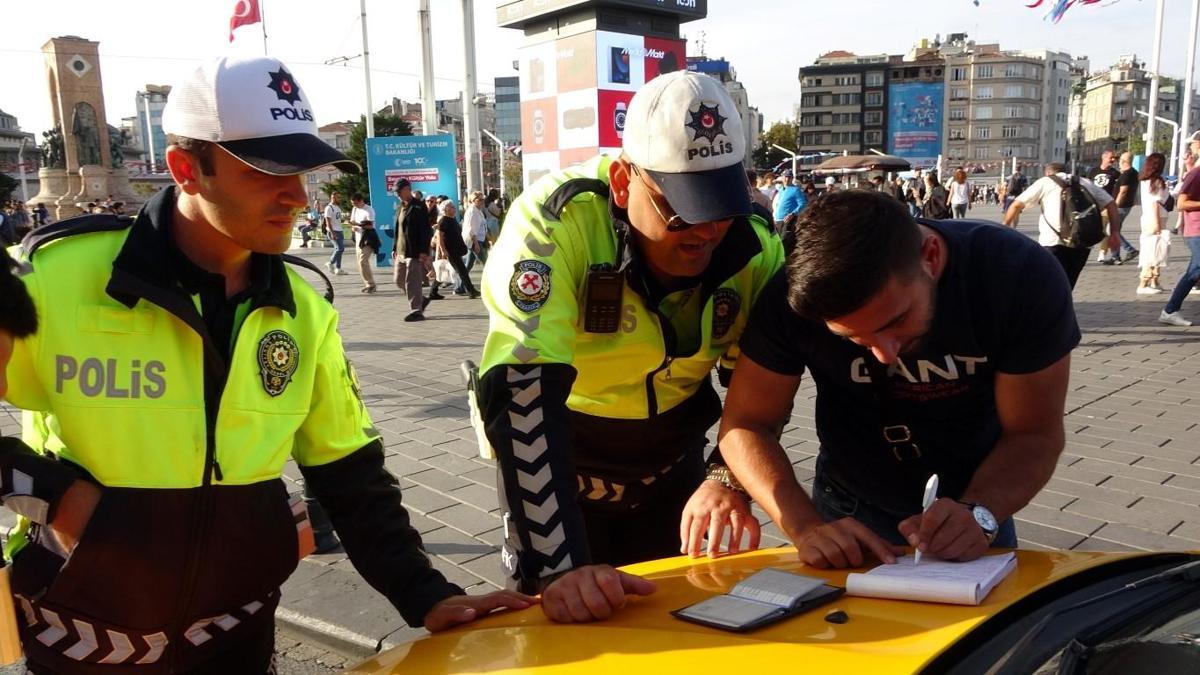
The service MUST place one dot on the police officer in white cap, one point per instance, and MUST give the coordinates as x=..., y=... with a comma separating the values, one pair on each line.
x=614, y=290
x=179, y=364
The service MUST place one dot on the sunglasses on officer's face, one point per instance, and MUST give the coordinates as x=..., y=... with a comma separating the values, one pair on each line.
x=674, y=223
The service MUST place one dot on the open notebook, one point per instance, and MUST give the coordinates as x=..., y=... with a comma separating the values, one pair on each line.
x=959, y=583
x=760, y=599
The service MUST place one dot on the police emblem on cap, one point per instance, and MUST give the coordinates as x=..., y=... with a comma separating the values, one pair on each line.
x=284, y=86
x=706, y=122
x=529, y=287
x=278, y=357
x=726, y=306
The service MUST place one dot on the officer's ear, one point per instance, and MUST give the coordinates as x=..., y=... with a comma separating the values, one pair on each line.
x=619, y=175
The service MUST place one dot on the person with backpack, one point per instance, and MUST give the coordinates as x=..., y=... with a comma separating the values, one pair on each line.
x=936, y=202
x=1017, y=183
x=1070, y=222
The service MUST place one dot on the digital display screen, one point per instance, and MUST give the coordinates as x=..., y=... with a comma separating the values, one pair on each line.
x=606, y=291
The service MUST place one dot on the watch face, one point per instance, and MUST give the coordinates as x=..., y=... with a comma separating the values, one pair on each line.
x=985, y=519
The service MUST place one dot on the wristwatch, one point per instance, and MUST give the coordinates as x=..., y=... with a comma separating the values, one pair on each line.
x=985, y=519
x=722, y=474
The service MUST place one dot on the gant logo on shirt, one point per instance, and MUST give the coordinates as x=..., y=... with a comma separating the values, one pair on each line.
x=953, y=368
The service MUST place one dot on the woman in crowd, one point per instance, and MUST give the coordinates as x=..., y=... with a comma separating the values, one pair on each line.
x=448, y=240
x=960, y=194
x=1156, y=238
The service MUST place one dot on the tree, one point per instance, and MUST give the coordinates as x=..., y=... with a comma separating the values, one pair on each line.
x=356, y=183
x=513, y=176
x=784, y=134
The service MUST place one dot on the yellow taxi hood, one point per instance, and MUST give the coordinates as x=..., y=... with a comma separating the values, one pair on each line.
x=881, y=636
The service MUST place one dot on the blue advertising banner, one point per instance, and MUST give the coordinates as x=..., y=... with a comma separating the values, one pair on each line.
x=428, y=162
x=915, y=122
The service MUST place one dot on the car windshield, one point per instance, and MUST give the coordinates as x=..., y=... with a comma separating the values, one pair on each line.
x=1169, y=644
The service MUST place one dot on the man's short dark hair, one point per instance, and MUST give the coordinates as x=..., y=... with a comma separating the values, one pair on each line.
x=201, y=150
x=17, y=314
x=356, y=197
x=848, y=245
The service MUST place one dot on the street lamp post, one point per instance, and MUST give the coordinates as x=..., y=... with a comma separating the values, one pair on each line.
x=362, y=6
x=795, y=157
x=1158, y=29
x=21, y=169
x=1174, y=137
x=499, y=143
x=144, y=97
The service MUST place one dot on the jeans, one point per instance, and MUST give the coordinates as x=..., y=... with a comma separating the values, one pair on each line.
x=960, y=210
x=1072, y=260
x=834, y=502
x=914, y=210
x=339, y=246
x=1191, y=276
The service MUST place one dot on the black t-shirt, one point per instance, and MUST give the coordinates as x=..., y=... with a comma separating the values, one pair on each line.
x=452, y=236
x=1003, y=305
x=1106, y=179
x=1128, y=179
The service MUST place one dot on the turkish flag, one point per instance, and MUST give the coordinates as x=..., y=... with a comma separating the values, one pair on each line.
x=245, y=12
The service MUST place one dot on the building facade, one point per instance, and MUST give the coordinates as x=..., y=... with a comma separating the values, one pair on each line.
x=508, y=110
x=843, y=104
x=336, y=134
x=1109, y=105
x=976, y=105
x=722, y=71
x=149, y=104
x=11, y=138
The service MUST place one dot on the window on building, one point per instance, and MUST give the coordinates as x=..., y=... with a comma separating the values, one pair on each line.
x=983, y=133
x=808, y=120
x=983, y=112
x=983, y=71
x=981, y=153
x=958, y=73
x=312, y=179
x=958, y=93
x=873, y=117
x=958, y=134
x=1119, y=112
x=812, y=138
x=873, y=137
x=1014, y=70
x=845, y=80
x=958, y=113
x=1014, y=111
x=983, y=92
x=808, y=100
x=874, y=79
x=1010, y=132
x=874, y=98
x=1033, y=93
x=1013, y=91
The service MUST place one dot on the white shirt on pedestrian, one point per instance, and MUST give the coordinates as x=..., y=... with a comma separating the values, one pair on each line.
x=1152, y=200
x=960, y=193
x=359, y=215
x=334, y=214
x=474, y=226
x=1046, y=192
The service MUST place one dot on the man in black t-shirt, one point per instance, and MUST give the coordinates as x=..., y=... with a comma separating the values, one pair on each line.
x=1107, y=177
x=936, y=347
x=1126, y=193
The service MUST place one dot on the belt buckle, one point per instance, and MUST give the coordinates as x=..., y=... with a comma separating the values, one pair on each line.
x=916, y=452
x=897, y=433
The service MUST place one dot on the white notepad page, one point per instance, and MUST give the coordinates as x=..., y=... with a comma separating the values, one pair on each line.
x=965, y=583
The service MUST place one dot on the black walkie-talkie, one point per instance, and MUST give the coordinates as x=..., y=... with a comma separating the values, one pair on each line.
x=602, y=309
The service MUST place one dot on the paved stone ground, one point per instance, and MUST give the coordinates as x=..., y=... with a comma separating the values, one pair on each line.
x=1128, y=479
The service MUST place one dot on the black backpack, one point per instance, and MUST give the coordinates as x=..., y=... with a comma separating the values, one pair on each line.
x=935, y=206
x=1079, y=215
x=1016, y=185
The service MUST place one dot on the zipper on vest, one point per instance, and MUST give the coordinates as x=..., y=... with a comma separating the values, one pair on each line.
x=668, y=340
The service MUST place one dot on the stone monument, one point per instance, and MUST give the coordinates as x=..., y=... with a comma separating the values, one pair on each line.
x=80, y=162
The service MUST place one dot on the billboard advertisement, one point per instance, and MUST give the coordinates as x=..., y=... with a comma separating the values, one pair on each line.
x=426, y=161
x=915, y=121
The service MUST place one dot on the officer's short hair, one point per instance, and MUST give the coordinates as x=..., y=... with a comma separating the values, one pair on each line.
x=848, y=245
x=17, y=314
x=201, y=150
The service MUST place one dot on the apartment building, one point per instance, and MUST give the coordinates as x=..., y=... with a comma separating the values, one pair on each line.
x=843, y=105
x=1005, y=104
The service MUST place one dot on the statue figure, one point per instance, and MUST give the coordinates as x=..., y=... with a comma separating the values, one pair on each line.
x=87, y=136
x=52, y=149
x=117, y=140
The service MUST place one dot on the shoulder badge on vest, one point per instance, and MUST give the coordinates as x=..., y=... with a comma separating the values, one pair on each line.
x=529, y=287
x=726, y=306
x=278, y=356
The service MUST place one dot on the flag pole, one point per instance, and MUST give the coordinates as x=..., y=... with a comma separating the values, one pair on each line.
x=262, y=15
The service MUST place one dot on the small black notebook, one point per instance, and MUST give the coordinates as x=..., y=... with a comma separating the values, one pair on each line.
x=759, y=600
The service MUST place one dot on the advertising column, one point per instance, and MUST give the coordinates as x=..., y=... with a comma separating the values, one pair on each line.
x=426, y=161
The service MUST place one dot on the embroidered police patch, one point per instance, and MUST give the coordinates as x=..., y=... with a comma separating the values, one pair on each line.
x=726, y=305
x=278, y=357
x=529, y=287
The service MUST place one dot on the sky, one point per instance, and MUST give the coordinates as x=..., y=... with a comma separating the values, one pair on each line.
x=766, y=41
